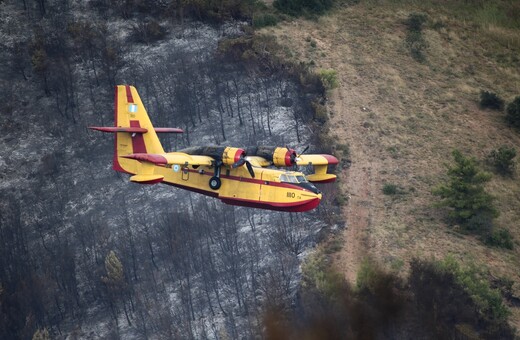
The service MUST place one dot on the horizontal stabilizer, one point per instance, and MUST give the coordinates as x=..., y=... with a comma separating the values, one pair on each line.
x=168, y=130
x=171, y=158
x=147, y=179
x=114, y=129
x=321, y=178
x=147, y=157
x=118, y=129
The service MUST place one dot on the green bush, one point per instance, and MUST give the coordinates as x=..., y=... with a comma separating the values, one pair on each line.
x=490, y=100
x=513, y=112
x=264, y=20
x=464, y=194
x=474, y=281
x=500, y=238
x=449, y=295
x=502, y=160
x=329, y=78
x=414, y=38
x=390, y=189
x=415, y=21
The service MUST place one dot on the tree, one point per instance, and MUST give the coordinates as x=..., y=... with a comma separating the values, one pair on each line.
x=491, y=100
x=114, y=267
x=115, y=282
x=464, y=193
x=513, y=112
x=502, y=160
x=41, y=334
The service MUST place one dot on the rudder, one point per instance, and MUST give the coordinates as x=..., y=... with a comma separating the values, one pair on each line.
x=139, y=135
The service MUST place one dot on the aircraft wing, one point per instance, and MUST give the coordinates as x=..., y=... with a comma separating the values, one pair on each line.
x=258, y=161
x=172, y=158
x=316, y=160
x=320, y=163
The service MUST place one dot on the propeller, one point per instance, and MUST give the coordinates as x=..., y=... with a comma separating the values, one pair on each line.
x=295, y=156
x=243, y=161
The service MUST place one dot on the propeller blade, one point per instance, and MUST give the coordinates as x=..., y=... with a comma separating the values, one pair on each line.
x=238, y=163
x=250, y=169
x=307, y=148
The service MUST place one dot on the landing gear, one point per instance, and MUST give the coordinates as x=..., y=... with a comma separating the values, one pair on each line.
x=215, y=183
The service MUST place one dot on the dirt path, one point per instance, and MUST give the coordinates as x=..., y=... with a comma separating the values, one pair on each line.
x=358, y=181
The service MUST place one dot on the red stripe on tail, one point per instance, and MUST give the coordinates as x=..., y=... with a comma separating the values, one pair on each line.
x=129, y=96
x=137, y=140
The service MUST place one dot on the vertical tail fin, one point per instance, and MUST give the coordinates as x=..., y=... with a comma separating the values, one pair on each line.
x=131, y=113
x=134, y=132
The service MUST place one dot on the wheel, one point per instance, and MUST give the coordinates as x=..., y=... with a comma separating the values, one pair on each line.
x=215, y=183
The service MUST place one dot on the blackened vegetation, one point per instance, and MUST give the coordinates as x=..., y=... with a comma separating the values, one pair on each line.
x=214, y=11
x=85, y=253
x=432, y=303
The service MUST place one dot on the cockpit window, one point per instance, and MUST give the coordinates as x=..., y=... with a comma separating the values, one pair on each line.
x=292, y=179
x=301, y=179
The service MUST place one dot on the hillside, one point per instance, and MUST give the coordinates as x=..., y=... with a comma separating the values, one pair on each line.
x=401, y=119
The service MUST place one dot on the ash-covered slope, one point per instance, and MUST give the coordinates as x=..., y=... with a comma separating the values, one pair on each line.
x=183, y=265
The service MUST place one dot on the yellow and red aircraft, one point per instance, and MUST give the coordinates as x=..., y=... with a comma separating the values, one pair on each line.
x=234, y=175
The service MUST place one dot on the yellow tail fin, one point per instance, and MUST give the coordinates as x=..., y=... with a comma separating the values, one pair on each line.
x=131, y=113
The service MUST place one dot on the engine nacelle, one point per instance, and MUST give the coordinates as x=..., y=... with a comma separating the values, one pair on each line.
x=281, y=157
x=228, y=155
x=232, y=155
x=284, y=157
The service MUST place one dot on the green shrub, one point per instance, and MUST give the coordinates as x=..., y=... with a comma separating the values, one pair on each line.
x=474, y=281
x=449, y=295
x=390, y=189
x=465, y=196
x=264, y=20
x=329, y=78
x=502, y=160
x=513, y=112
x=414, y=38
x=318, y=273
x=490, y=100
x=415, y=21
x=500, y=238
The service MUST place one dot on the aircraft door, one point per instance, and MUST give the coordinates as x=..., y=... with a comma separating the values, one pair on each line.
x=265, y=189
x=185, y=173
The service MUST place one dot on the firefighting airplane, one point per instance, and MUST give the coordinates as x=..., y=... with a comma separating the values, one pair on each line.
x=235, y=176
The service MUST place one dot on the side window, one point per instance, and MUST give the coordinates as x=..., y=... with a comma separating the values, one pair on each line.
x=301, y=179
x=292, y=179
x=283, y=178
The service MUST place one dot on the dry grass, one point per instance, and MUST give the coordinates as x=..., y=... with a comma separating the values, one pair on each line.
x=402, y=119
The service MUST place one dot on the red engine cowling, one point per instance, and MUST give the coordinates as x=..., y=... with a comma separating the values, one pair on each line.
x=232, y=155
x=284, y=157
